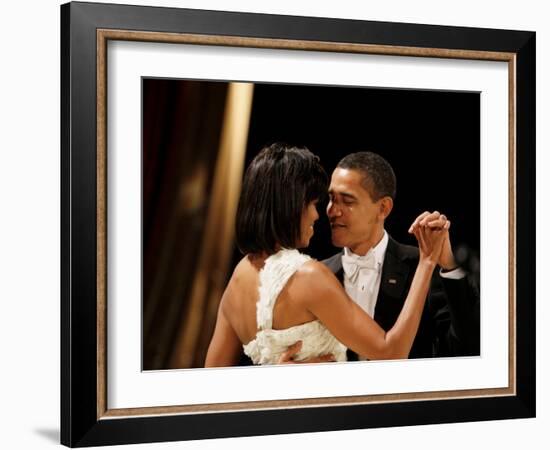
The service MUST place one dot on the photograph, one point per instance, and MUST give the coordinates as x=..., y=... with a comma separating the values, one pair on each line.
x=374, y=161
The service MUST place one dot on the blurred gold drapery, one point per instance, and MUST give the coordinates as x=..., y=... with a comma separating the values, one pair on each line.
x=194, y=143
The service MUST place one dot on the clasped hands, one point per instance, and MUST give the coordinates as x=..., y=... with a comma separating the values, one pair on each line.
x=437, y=222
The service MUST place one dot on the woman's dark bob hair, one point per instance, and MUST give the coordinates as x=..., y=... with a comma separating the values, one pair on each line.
x=278, y=184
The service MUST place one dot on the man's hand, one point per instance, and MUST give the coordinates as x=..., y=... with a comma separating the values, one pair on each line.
x=292, y=351
x=436, y=220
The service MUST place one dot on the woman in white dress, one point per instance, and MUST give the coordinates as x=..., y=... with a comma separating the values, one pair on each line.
x=277, y=296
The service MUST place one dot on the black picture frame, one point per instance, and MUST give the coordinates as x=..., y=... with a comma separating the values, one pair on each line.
x=82, y=421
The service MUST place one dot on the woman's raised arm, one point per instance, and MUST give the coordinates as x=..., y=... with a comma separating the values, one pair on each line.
x=323, y=295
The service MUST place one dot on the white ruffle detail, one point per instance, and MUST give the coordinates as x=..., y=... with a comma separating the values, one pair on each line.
x=317, y=340
x=277, y=270
x=269, y=344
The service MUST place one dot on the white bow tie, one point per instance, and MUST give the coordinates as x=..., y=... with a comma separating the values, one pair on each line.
x=353, y=264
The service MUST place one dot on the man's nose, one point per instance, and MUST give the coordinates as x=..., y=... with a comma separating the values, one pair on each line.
x=333, y=210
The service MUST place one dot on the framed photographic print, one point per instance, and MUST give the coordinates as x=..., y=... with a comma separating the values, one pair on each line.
x=164, y=109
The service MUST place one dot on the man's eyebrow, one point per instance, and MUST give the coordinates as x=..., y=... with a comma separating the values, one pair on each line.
x=346, y=195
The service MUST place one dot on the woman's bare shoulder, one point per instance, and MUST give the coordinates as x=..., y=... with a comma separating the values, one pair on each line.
x=314, y=283
x=314, y=268
x=238, y=276
x=243, y=277
x=244, y=268
x=314, y=274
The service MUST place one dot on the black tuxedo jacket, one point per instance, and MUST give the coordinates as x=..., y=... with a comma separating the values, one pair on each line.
x=450, y=321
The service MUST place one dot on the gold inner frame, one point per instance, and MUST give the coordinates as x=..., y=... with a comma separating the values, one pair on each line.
x=104, y=35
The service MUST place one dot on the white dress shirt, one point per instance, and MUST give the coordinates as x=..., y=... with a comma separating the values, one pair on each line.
x=362, y=274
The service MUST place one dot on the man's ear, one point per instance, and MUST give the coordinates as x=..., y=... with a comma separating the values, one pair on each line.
x=386, y=205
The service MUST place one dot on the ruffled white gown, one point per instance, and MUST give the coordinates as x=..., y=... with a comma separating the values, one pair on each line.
x=269, y=344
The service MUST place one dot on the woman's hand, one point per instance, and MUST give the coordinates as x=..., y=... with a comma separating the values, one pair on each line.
x=431, y=219
x=431, y=236
x=288, y=356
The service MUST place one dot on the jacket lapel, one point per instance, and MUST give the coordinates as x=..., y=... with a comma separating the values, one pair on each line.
x=391, y=294
x=334, y=263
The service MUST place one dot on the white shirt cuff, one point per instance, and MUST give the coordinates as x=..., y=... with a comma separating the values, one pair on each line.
x=455, y=274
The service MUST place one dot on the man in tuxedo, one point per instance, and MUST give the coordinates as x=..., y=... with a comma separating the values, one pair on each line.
x=377, y=271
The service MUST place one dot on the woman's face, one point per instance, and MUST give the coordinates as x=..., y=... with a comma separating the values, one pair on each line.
x=309, y=217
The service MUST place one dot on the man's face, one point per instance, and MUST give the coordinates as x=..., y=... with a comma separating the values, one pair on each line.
x=356, y=221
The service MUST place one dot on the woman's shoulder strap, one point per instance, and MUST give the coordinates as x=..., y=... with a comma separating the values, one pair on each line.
x=277, y=270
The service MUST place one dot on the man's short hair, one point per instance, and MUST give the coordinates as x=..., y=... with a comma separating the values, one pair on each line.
x=278, y=184
x=378, y=175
